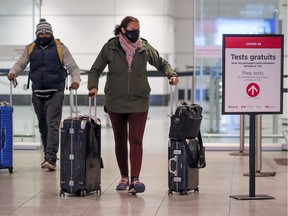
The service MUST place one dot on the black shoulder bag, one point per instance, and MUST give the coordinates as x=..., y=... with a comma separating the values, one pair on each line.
x=185, y=124
x=196, y=152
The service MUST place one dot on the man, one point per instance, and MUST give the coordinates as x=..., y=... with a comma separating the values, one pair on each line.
x=49, y=62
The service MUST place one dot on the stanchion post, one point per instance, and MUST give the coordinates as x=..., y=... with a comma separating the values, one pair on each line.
x=258, y=143
x=242, y=139
x=258, y=150
x=252, y=156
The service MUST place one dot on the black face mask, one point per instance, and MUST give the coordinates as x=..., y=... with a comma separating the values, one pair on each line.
x=132, y=35
x=44, y=41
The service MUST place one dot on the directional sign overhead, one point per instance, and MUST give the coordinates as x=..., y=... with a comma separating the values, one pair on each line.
x=252, y=74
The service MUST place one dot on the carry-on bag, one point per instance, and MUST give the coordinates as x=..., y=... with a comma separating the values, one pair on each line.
x=186, y=121
x=6, y=133
x=181, y=177
x=80, y=157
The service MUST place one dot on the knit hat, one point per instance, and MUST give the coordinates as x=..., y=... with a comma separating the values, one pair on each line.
x=43, y=27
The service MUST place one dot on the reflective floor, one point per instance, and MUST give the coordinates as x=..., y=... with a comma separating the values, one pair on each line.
x=30, y=190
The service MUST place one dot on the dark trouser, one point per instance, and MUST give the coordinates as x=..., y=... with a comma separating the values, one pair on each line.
x=135, y=124
x=49, y=114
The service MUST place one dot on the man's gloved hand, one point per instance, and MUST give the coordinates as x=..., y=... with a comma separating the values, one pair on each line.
x=11, y=76
x=74, y=85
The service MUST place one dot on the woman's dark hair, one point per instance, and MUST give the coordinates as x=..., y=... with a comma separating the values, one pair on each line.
x=125, y=22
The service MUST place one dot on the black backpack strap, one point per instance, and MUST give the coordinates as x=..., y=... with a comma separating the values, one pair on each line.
x=200, y=139
x=201, y=158
x=28, y=82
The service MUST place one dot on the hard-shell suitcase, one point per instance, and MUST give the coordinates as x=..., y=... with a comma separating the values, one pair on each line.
x=6, y=136
x=80, y=157
x=6, y=133
x=181, y=178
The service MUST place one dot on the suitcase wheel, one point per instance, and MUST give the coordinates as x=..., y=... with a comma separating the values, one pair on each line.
x=83, y=193
x=196, y=190
x=170, y=192
x=10, y=170
x=62, y=193
x=99, y=190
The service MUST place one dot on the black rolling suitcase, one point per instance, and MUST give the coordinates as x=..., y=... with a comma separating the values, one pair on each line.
x=185, y=126
x=181, y=178
x=80, y=157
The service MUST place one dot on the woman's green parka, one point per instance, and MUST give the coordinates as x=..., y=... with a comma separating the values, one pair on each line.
x=127, y=90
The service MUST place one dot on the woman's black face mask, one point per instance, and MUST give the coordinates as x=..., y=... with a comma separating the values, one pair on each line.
x=132, y=35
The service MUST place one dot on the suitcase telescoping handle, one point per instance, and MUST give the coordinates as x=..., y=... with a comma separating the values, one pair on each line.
x=71, y=102
x=91, y=95
x=171, y=97
x=13, y=83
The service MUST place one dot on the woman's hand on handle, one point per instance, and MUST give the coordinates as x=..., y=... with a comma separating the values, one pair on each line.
x=173, y=81
x=93, y=92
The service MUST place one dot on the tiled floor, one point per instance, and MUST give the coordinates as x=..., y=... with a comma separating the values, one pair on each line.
x=29, y=190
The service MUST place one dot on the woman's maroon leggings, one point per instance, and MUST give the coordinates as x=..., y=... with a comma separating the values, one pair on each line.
x=128, y=126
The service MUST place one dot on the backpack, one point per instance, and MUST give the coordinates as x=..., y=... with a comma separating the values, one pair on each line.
x=59, y=51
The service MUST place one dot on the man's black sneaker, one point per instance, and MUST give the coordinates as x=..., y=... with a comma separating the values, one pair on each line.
x=49, y=164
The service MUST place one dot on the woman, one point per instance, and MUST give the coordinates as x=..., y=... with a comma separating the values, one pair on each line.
x=127, y=94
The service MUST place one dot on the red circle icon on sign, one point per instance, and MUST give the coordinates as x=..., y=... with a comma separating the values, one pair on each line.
x=253, y=89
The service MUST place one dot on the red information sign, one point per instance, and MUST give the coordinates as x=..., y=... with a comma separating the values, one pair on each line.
x=252, y=76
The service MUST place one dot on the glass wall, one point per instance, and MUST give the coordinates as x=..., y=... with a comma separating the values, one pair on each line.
x=212, y=19
x=194, y=26
x=17, y=20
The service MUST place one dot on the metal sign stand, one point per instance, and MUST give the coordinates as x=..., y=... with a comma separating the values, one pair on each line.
x=250, y=85
x=252, y=140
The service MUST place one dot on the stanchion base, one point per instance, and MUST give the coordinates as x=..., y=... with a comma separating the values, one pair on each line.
x=261, y=174
x=247, y=197
x=239, y=153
